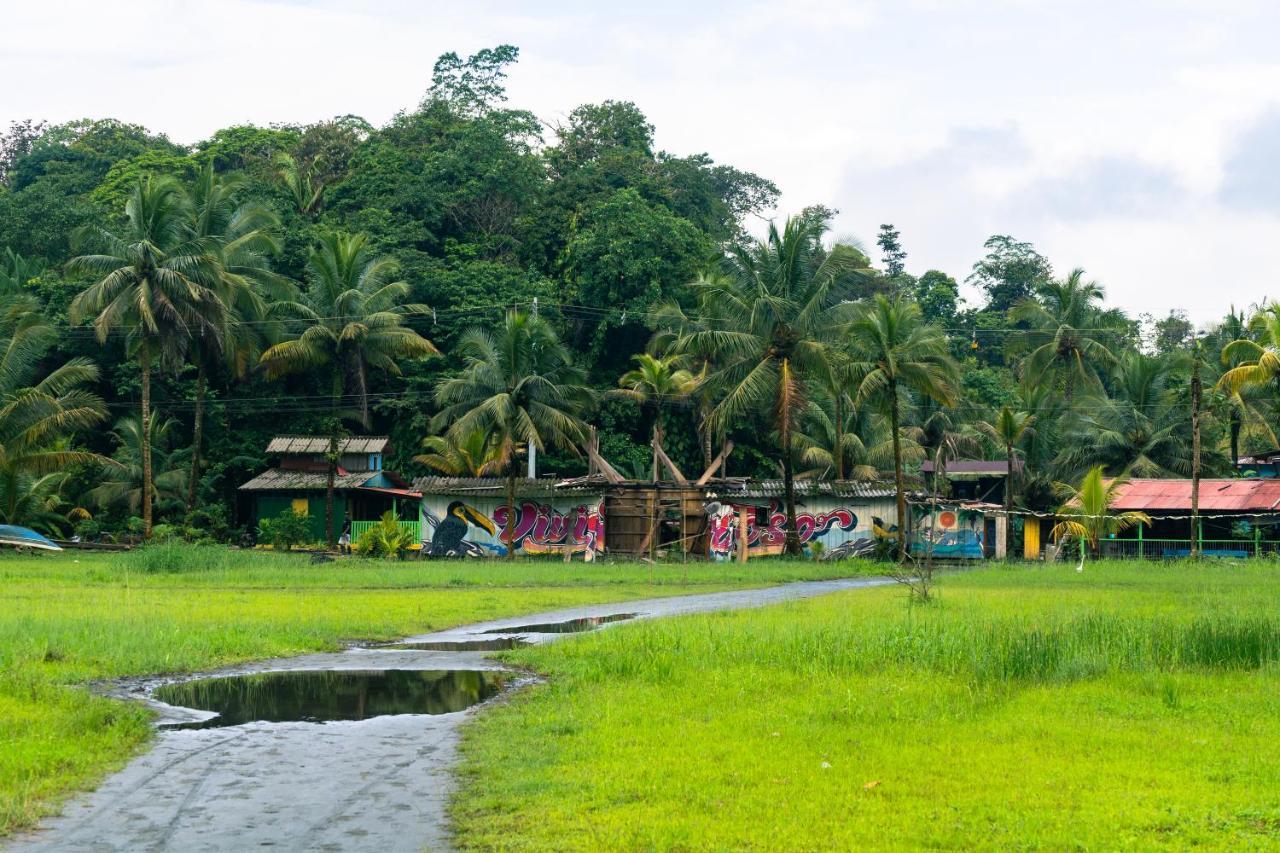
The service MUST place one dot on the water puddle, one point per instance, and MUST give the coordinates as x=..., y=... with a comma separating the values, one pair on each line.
x=502, y=644
x=323, y=696
x=573, y=626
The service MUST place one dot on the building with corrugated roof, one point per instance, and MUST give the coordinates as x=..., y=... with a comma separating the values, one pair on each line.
x=363, y=489
x=1238, y=517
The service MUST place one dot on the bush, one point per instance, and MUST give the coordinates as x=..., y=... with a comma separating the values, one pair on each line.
x=385, y=539
x=174, y=555
x=287, y=529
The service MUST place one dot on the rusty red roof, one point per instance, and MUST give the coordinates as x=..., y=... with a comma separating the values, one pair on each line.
x=1250, y=495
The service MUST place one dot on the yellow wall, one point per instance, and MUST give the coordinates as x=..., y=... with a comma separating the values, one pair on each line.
x=1031, y=539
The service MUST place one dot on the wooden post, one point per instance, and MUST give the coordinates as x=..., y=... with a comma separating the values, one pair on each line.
x=653, y=525
x=743, y=539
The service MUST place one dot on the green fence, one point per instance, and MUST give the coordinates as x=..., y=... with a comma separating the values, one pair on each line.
x=1172, y=549
x=359, y=527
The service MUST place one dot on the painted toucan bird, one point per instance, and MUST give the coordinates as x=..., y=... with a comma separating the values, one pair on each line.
x=879, y=530
x=452, y=529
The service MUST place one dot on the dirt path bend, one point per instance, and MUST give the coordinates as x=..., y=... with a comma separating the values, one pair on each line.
x=379, y=784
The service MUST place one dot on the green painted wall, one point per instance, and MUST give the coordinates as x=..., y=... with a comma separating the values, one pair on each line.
x=271, y=505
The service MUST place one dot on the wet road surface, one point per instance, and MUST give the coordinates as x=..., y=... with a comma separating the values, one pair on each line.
x=377, y=784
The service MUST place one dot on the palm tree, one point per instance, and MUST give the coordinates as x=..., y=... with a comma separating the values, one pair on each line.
x=16, y=271
x=1140, y=431
x=1067, y=325
x=894, y=352
x=124, y=486
x=355, y=312
x=1009, y=428
x=472, y=455
x=36, y=420
x=1241, y=408
x=1253, y=366
x=766, y=326
x=653, y=382
x=304, y=185
x=241, y=235
x=37, y=502
x=866, y=448
x=518, y=386
x=156, y=281
x=1086, y=513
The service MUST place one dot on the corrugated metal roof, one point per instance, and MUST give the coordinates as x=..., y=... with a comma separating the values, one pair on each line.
x=288, y=444
x=1248, y=495
x=808, y=489
x=992, y=468
x=542, y=487
x=275, y=479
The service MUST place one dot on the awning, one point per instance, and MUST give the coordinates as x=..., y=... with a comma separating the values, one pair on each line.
x=395, y=493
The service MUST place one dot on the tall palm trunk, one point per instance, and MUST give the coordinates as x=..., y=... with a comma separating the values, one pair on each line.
x=654, y=439
x=839, y=448
x=786, y=404
x=145, y=362
x=706, y=436
x=362, y=380
x=332, y=459
x=1236, y=425
x=899, y=488
x=1008, y=482
x=197, y=434
x=511, y=511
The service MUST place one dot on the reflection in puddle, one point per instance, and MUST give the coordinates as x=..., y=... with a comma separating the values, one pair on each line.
x=570, y=627
x=320, y=696
x=496, y=645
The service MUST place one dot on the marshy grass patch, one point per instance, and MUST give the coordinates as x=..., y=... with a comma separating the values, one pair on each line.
x=1128, y=705
x=71, y=618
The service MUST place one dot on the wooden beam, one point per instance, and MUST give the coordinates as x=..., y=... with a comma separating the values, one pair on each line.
x=716, y=463
x=666, y=460
x=600, y=462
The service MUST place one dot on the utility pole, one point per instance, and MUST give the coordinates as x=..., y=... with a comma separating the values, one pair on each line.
x=1195, y=448
x=533, y=450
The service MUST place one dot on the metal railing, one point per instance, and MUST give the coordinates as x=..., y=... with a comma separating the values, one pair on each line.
x=1172, y=549
x=359, y=528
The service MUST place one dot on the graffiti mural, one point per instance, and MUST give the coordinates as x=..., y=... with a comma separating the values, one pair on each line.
x=768, y=538
x=949, y=533
x=480, y=530
x=449, y=536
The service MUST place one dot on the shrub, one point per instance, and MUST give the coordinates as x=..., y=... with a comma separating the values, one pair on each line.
x=287, y=529
x=174, y=555
x=385, y=539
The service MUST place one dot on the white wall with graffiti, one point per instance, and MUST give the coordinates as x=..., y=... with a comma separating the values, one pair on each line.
x=457, y=525
x=838, y=526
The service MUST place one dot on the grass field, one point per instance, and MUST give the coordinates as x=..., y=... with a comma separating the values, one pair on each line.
x=1125, y=706
x=69, y=619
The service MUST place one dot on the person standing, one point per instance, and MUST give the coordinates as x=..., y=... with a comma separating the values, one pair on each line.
x=344, y=541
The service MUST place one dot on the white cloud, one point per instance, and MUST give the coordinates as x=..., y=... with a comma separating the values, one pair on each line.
x=1101, y=131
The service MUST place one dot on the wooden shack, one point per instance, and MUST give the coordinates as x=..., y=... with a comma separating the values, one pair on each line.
x=662, y=516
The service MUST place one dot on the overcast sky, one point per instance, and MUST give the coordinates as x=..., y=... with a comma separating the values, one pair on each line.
x=1135, y=139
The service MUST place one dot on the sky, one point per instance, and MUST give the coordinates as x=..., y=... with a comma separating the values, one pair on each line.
x=1135, y=139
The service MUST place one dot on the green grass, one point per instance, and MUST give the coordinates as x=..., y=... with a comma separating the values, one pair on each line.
x=1130, y=705
x=69, y=619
